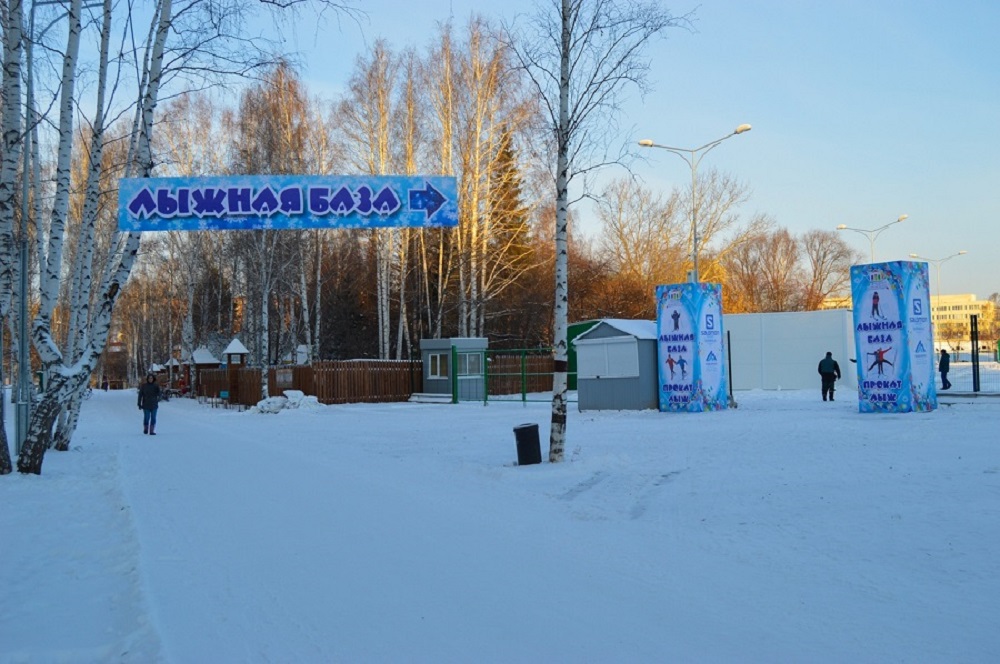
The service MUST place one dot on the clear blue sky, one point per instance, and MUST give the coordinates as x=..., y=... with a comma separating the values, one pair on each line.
x=861, y=111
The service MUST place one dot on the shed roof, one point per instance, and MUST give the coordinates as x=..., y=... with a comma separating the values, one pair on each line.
x=235, y=347
x=203, y=356
x=640, y=329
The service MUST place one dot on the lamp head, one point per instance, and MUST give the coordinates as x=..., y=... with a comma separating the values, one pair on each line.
x=646, y=142
x=742, y=128
x=963, y=252
x=914, y=256
x=902, y=217
x=842, y=227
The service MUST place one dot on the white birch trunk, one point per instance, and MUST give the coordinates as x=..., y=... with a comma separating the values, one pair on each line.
x=10, y=128
x=265, y=338
x=318, y=298
x=67, y=380
x=304, y=299
x=50, y=262
x=402, y=331
x=557, y=436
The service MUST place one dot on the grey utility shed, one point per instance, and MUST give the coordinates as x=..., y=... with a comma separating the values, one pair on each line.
x=616, y=366
x=454, y=367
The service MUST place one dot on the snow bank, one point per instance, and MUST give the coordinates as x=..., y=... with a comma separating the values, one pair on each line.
x=293, y=399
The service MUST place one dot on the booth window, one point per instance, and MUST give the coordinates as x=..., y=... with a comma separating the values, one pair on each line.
x=438, y=365
x=470, y=364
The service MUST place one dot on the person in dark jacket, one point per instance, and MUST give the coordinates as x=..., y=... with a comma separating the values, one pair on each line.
x=149, y=400
x=829, y=371
x=943, y=366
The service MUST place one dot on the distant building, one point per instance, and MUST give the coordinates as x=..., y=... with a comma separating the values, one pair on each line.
x=950, y=316
x=836, y=302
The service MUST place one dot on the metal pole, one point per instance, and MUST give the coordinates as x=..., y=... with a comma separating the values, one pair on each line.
x=937, y=266
x=23, y=408
x=694, y=219
x=974, y=338
x=695, y=156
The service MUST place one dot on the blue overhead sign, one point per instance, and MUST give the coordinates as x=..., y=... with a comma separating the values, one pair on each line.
x=286, y=202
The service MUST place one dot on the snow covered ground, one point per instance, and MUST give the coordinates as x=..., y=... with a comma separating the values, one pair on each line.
x=788, y=529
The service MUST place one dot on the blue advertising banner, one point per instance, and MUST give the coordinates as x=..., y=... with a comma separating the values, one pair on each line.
x=286, y=202
x=893, y=337
x=691, y=348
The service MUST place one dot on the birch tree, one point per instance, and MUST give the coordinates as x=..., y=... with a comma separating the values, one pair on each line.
x=189, y=144
x=493, y=111
x=581, y=56
x=206, y=38
x=437, y=256
x=269, y=138
x=66, y=378
x=10, y=133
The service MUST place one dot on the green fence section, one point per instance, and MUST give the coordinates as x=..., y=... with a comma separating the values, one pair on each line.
x=521, y=374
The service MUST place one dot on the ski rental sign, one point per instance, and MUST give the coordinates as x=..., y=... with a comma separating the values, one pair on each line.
x=893, y=337
x=278, y=202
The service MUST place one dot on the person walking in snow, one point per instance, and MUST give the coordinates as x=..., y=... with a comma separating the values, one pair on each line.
x=944, y=365
x=149, y=400
x=829, y=371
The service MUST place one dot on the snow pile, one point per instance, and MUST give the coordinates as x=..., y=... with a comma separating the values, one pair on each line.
x=270, y=405
x=293, y=399
x=298, y=399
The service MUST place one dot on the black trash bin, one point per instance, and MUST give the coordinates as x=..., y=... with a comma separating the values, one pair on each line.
x=529, y=450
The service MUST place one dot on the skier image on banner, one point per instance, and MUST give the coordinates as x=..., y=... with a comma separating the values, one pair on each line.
x=670, y=363
x=682, y=363
x=676, y=316
x=880, y=360
x=875, y=310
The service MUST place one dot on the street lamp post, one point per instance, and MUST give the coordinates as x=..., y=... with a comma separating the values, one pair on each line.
x=24, y=386
x=937, y=265
x=693, y=157
x=873, y=233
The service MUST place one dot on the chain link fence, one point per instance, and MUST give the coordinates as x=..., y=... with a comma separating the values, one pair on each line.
x=974, y=365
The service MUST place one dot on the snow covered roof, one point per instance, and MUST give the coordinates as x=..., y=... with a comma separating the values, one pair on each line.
x=235, y=346
x=640, y=329
x=173, y=362
x=203, y=356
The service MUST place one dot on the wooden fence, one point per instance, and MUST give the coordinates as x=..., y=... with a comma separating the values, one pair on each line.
x=213, y=382
x=236, y=385
x=366, y=381
x=348, y=381
x=369, y=381
x=514, y=373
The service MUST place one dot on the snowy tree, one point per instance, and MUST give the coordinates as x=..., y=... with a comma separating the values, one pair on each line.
x=198, y=39
x=581, y=56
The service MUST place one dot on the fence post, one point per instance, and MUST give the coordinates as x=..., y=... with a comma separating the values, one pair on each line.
x=454, y=374
x=729, y=362
x=524, y=376
x=486, y=379
x=974, y=328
